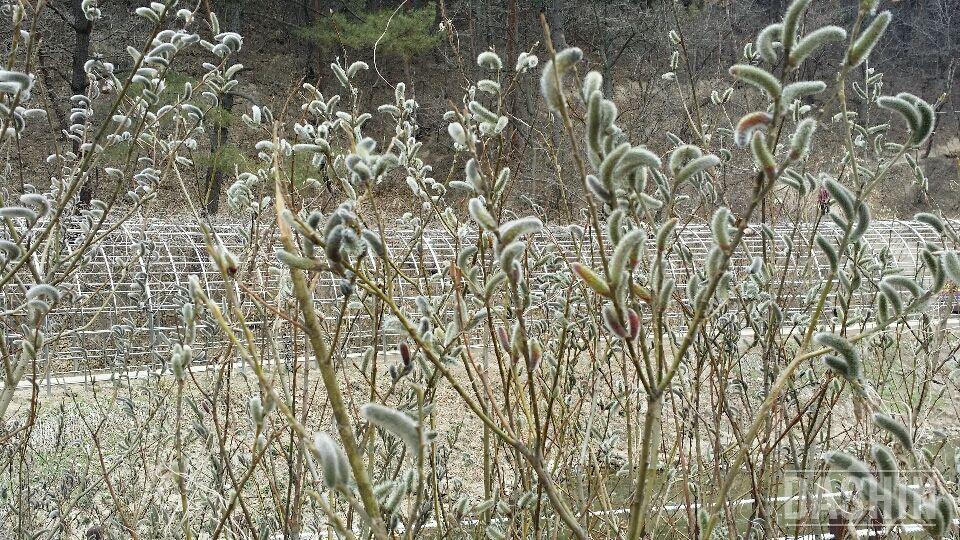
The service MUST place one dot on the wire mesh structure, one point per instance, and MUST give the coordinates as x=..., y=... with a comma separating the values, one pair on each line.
x=121, y=308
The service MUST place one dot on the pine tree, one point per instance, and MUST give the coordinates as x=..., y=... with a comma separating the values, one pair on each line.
x=406, y=33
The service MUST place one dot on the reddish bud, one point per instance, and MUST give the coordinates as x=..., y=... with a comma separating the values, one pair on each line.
x=634, y=320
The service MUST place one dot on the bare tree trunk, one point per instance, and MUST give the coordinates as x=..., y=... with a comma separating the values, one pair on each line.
x=938, y=106
x=220, y=131
x=511, y=31
x=552, y=9
x=308, y=8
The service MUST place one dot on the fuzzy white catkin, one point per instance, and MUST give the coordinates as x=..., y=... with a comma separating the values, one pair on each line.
x=395, y=422
x=489, y=60
x=526, y=61
x=801, y=88
x=697, y=166
x=11, y=250
x=553, y=74
x=44, y=290
x=457, y=133
x=478, y=211
x=517, y=228
x=550, y=87
x=720, y=227
x=333, y=461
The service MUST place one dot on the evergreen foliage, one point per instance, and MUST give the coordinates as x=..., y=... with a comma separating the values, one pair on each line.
x=403, y=33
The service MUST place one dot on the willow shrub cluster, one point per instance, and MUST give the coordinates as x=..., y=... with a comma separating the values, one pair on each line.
x=591, y=399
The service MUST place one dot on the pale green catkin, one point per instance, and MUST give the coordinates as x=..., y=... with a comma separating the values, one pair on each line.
x=623, y=255
x=758, y=77
x=946, y=508
x=791, y=21
x=593, y=82
x=11, y=250
x=683, y=154
x=951, y=265
x=814, y=40
x=926, y=115
x=481, y=113
x=828, y=249
x=931, y=220
x=937, y=525
x=19, y=212
x=897, y=430
x=762, y=155
x=635, y=158
x=609, y=164
x=849, y=464
x=799, y=89
x=800, y=143
x=720, y=225
x=841, y=195
x=509, y=254
x=838, y=365
x=493, y=282
x=765, y=42
x=375, y=242
x=696, y=166
x=473, y=176
x=844, y=348
x=512, y=230
x=862, y=223
x=36, y=200
x=886, y=463
x=665, y=233
x=865, y=42
x=905, y=282
x=891, y=295
x=295, y=261
x=904, y=108
x=714, y=262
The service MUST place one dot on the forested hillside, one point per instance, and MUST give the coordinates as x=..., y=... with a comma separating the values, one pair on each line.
x=662, y=63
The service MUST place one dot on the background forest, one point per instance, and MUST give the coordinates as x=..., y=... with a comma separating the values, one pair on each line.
x=430, y=45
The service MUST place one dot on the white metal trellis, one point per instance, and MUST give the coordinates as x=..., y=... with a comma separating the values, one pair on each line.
x=127, y=299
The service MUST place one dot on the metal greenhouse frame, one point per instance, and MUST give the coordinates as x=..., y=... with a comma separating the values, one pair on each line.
x=121, y=307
